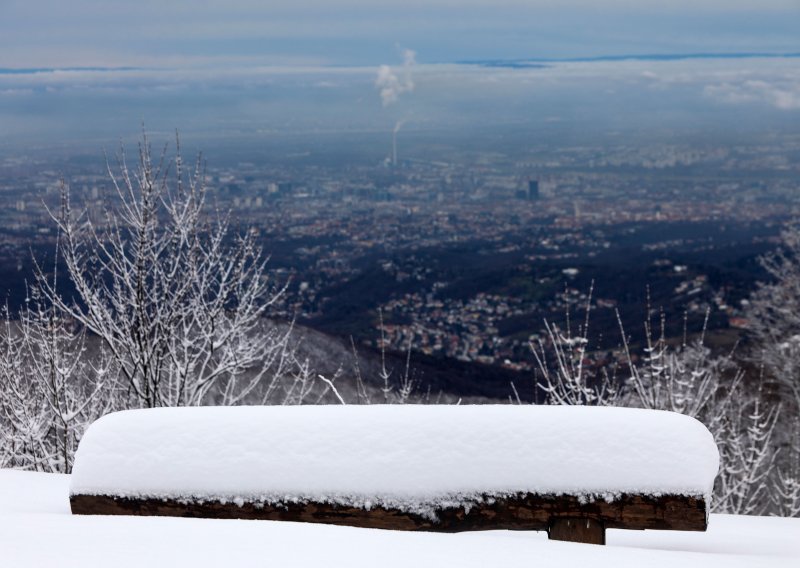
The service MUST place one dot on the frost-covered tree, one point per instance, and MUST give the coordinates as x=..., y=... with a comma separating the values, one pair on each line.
x=562, y=374
x=23, y=416
x=690, y=379
x=51, y=389
x=785, y=488
x=745, y=436
x=773, y=316
x=773, y=333
x=682, y=378
x=177, y=300
x=786, y=494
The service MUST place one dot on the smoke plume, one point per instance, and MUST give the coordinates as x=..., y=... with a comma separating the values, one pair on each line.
x=393, y=83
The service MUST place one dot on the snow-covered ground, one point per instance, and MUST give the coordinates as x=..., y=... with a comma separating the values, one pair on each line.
x=37, y=529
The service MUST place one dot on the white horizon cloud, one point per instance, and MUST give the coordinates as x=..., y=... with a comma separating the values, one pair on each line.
x=782, y=95
x=727, y=80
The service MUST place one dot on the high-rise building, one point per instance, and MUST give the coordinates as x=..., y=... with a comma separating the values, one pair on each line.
x=533, y=189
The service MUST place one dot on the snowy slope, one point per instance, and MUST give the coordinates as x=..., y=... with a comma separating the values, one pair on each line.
x=409, y=457
x=36, y=529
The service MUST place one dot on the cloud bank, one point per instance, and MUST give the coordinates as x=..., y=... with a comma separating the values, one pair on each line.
x=783, y=95
x=580, y=96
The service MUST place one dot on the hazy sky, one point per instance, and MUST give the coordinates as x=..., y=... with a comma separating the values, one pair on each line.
x=315, y=65
x=53, y=33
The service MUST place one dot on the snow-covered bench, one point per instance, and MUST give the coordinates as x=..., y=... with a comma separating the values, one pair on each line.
x=573, y=471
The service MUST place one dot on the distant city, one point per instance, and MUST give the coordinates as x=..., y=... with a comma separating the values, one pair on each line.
x=457, y=253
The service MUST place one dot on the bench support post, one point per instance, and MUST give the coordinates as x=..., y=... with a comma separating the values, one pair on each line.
x=577, y=529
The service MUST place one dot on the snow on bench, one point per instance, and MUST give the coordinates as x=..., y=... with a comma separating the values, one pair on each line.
x=572, y=471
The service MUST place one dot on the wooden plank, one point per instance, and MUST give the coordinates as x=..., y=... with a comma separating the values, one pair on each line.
x=521, y=512
x=577, y=529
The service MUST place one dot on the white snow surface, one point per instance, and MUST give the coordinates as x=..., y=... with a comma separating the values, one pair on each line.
x=414, y=458
x=36, y=529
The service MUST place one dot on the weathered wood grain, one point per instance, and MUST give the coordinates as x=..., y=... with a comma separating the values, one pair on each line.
x=521, y=512
x=576, y=529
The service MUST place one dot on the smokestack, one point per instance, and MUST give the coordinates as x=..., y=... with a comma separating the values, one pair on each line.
x=397, y=126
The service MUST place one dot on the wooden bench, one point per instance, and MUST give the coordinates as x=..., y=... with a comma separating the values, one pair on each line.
x=446, y=469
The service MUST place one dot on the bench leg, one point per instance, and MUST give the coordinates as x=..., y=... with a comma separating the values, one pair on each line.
x=577, y=529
